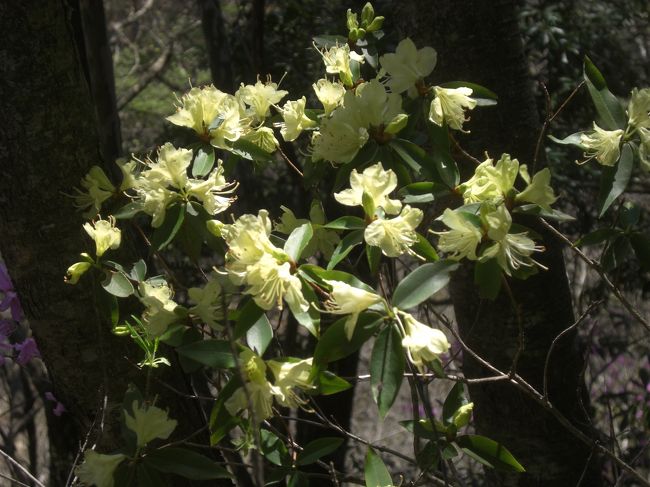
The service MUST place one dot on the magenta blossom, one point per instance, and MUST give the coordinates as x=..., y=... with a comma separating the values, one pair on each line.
x=27, y=350
x=59, y=408
x=10, y=298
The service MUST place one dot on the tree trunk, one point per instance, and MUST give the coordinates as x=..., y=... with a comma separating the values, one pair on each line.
x=479, y=41
x=50, y=141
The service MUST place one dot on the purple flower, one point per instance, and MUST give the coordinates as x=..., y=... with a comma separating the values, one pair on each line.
x=7, y=327
x=27, y=350
x=59, y=408
x=10, y=299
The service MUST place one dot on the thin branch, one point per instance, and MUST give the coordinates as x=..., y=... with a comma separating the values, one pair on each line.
x=595, y=266
x=557, y=338
x=152, y=72
x=21, y=468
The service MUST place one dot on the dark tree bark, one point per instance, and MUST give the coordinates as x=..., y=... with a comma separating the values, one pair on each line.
x=216, y=40
x=479, y=41
x=50, y=141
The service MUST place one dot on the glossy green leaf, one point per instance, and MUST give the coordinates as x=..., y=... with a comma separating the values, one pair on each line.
x=329, y=383
x=273, y=448
x=488, y=278
x=455, y=399
x=614, y=179
x=298, y=241
x=334, y=345
x=139, y=271
x=117, y=284
x=319, y=275
x=489, y=453
x=610, y=111
x=129, y=210
x=213, y=353
x=346, y=223
x=531, y=209
x=260, y=335
x=375, y=472
x=186, y=463
x=400, y=147
x=317, y=449
x=248, y=150
x=165, y=233
x=386, y=368
x=344, y=247
x=423, y=283
x=373, y=254
x=424, y=249
x=203, y=163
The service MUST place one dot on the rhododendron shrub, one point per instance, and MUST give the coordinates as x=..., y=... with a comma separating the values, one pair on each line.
x=379, y=146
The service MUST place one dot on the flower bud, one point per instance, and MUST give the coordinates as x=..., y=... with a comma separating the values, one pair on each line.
x=352, y=21
x=367, y=14
x=75, y=271
x=397, y=124
x=462, y=415
x=376, y=24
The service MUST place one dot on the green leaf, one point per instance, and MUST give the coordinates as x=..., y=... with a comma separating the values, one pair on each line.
x=334, y=345
x=531, y=209
x=329, y=383
x=318, y=275
x=615, y=178
x=129, y=210
x=273, y=448
x=203, y=163
x=139, y=271
x=597, y=236
x=424, y=249
x=346, y=223
x=374, y=258
x=298, y=240
x=118, y=284
x=489, y=453
x=248, y=150
x=423, y=283
x=213, y=353
x=641, y=245
x=441, y=160
x=247, y=316
x=165, y=233
x=409, y=157
x=455, y=399
x=375, y=472
x=344, y=247
x=429, y=456
x=186, y=463
x=386, y=368
x=611, y=113
x=316, y=449
x=573, y=139
x=148, y=477
x=260, y=335
x=297, y=479
x=487, y=276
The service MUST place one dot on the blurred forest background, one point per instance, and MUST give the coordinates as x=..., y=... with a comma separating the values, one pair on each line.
x=159, y=48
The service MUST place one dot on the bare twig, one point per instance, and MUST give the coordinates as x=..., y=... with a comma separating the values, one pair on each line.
x=26, y=472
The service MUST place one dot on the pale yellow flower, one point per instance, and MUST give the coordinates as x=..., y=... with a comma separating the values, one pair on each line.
x=423, y=343
x=260, y=96
x=337, y=61
x=349, y=300
x=264, y=138
x=170, y=168
x=209, y=305
x=449, y=106
x=258, y=390
x=329, y=94
x=463, y=237
x=97, y=469
x=75, y=271
x=149, y=423
x=295, y=120
x=396, y=235
x=639, y=108
x=603, y=145
x=105, y=235
x=539, y=190
x=289, y=376
x=323, y=240
x=491, y=182
x=407, y=66
x=377, y=183
x=98, y=188
x=213, y=192
x=159, y=306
